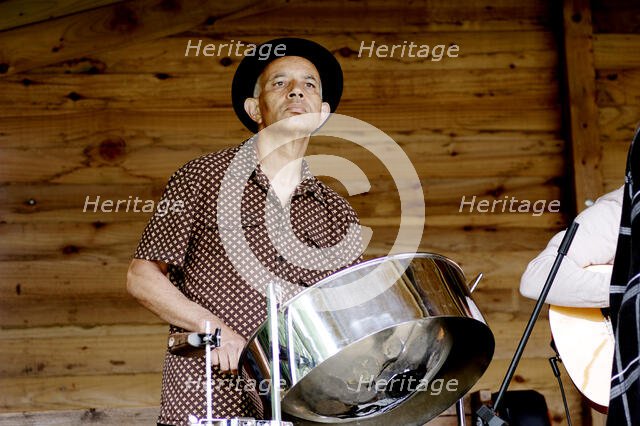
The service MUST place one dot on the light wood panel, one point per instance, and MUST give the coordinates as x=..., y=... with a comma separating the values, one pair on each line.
x=22, y=203
x=105, y=416
x=73, y=392
x=80, y=351
x=65, y=240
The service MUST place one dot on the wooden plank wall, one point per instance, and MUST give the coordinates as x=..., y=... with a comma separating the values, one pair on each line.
x=117, y=122
x=616, y=32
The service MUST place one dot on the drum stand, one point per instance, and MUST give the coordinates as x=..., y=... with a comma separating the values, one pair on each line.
x=460, y=412
x=489, y=416
x=213, y=340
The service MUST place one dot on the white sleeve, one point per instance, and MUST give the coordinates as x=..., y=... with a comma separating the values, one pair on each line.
x=594, y=244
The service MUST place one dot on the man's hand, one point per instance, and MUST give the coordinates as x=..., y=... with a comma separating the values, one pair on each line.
x=226, y=356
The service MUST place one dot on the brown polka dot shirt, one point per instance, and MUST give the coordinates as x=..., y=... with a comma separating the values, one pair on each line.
x=223, y=262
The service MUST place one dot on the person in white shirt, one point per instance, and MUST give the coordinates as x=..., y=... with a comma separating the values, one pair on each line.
x=594, y=244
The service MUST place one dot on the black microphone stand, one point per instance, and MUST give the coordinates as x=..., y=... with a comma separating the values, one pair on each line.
x=487, y=414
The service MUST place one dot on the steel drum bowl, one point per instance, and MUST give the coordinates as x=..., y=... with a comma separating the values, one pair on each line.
x=394, y=340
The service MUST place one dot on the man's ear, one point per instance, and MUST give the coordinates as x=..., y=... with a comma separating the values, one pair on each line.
x=325, y=110
x=252, y=107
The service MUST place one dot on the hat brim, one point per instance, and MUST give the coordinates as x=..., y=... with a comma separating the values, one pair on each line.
x=251, y=67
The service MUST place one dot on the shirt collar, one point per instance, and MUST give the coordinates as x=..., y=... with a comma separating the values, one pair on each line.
x=249, y=157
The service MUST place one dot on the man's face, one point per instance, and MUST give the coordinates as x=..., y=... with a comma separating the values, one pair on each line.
x=290, y=86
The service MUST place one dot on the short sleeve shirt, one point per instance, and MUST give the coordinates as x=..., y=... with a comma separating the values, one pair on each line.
x=225, y=235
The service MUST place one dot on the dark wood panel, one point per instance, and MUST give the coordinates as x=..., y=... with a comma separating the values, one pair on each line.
x=614, y=160
x=383, y=16
x=508, y=50
x=616, y=51
x=73, y=166
x=618, y=123
x=618, y=87
x=427, y=88
x=616, y=16
x=15, y=13
x=104, y=28
x=215, y=129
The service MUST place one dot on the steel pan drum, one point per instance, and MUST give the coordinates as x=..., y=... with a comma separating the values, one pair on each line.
x=391, y=341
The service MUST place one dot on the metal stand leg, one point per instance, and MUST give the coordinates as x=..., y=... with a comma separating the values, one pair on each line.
x=272, y=314
x=460, y=412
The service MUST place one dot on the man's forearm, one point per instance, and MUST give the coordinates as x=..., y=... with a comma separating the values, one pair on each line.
x=150, y=286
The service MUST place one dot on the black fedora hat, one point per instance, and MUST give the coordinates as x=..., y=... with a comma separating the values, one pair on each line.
x=251, y=67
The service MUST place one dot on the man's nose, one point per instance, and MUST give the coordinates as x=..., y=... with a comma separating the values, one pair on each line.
x=296, y=91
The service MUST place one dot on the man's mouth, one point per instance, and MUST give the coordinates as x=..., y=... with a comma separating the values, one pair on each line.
x=298, y=108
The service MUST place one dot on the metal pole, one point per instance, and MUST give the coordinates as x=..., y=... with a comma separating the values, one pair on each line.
x=272, y=312
x=460, y=412
x=207, y=327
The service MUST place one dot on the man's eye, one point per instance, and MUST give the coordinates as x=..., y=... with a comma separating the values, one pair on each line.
x=311, y=85
x=279, y=83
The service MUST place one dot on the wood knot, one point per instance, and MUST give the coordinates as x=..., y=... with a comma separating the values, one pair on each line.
x=124, y=19
x=345, y=52
x=70, y=249
x=93, y=415
x=74, y=96
x=226, y=61
x=112, y=149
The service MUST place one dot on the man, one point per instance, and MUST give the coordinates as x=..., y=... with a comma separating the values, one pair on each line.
x=209, y=279
x=608, y=234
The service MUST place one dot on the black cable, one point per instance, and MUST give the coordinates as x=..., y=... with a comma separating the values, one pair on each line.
x=556, y=372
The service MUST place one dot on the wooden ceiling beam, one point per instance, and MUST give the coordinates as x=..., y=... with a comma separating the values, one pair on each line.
x=580, y=96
